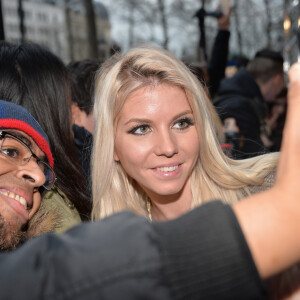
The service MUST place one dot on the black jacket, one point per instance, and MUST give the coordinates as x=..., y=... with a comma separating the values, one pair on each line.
x=202, y=255
x=218, y=61
x=240, y=98
x=84, y=142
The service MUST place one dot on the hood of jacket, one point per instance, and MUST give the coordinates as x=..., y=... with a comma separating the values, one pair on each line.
x=241, y=83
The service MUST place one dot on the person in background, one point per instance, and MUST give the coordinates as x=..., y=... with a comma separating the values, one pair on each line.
x=82, y=75
x=36, y=79
x=219, y=55
x=243, y=97
x=210, y=75
x=276, y=119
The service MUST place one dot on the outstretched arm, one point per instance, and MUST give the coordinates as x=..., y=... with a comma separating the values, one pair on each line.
x=271, y=220
x=219, y=54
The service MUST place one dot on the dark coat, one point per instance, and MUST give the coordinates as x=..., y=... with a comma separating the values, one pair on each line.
x=202, y=255
x=218, y=61
x=240, y=98
x=84, y=142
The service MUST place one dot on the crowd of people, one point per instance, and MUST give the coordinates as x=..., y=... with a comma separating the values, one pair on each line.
x=144, y=132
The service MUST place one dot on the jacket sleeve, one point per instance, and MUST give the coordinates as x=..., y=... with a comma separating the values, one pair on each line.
x=218, y=61
x=206, y=256
x=202, y=255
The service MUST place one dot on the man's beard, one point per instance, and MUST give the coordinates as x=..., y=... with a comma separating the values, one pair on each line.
x=10, y=235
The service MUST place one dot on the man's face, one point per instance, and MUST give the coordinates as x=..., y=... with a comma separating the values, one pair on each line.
x=82, y=119
x=19, y=195
x=275, y=87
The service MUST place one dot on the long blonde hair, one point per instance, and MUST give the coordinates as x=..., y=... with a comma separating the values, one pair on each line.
x=214, y=176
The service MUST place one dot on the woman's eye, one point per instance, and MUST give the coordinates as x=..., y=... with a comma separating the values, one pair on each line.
x=140, y=130
x=183, y=123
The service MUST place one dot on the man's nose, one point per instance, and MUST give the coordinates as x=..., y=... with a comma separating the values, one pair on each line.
x=32, y=173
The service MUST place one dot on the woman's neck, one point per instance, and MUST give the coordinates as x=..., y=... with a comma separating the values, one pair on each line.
x=168, y=212
x=162, y=208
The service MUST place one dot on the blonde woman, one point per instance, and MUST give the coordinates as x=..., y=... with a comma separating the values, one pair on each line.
x=155, y=147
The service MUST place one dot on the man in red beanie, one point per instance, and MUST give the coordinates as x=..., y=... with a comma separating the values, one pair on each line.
x=26, y=164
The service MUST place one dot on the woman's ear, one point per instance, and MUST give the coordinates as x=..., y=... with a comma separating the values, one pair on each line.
x=116, y=157
x=76, y=114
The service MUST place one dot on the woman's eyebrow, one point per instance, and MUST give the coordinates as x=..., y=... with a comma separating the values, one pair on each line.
x=141, y=120
x=138, y=120
x=182, y=114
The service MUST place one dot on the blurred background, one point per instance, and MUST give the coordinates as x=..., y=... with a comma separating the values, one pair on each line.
x=79, y=29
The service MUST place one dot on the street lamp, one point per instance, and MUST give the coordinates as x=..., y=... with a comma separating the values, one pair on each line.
x=287, y=24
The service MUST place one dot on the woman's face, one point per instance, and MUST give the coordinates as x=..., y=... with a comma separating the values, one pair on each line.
x=156, y=141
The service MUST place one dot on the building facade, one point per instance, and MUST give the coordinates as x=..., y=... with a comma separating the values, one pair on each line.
x=60, y=26
x=78, y=30
x=291, y=32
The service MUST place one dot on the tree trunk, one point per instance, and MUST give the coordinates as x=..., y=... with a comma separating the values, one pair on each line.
x=162, y=9
x=69, y=30
x=131, y=23
x=269, y=23
x=91, y=29
x=2, y=35
x=21, y=18
x=236, y=17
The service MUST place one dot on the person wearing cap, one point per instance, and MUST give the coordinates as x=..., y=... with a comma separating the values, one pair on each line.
x=26, y=165
x=36, y=79
x=244, y=96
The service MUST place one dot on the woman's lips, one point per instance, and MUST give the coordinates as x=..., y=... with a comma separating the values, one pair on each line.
x=167, y=171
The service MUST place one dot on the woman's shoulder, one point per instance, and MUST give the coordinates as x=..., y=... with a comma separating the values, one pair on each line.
x=56, y=214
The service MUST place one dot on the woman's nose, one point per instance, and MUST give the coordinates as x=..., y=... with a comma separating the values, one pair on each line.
x=166, y=144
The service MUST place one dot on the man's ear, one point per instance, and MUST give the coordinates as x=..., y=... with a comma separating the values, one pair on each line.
x=76, y=114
